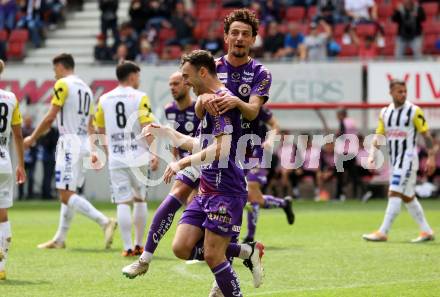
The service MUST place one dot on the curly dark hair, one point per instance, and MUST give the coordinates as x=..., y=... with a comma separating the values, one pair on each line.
x=242, y=15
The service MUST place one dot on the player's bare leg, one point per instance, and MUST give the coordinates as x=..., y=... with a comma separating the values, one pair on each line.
x=5, y=241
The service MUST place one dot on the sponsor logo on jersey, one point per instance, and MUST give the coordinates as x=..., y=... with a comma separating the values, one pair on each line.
x=222, y=75
x=171, y=116
x=236, y=228
x=244, y=90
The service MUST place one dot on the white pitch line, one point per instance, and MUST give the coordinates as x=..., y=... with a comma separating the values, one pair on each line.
x=181, y=269
x=341, y=287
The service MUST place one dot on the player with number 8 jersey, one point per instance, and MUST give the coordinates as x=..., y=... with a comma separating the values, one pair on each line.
x=72, y=106
x=120, y=115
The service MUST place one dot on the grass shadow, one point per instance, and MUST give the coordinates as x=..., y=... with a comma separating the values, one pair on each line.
x=20, y=282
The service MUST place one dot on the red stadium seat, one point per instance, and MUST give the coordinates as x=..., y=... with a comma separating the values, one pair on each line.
x=431, y=9
x=16, y=50
x=201, y=29
x=3, y=35
x=388, y=50
x=429, y=43
x=207, y=15
x=225, y=12
x=166, y=34
x=338, y=30
x=363, y=30
x=431, y=27
x=385, y=11
x=390, y=29
x=348, y=50
x=295, y=13
x=19, y=35
x=311, y=12
x=175, y=52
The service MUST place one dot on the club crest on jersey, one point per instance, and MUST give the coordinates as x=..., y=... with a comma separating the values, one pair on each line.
x=189, y=126
x=235, y=75
x=244, y=90
x=222, y=209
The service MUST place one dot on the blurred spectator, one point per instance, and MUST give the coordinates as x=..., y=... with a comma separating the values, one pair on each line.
x=146, y=54
x=273, y=43
x=109, y=18
x=8, y=12
x=359, y=10
x=293, y=39
x=236, y=3
x=364, y=175
x=30, y=159
x=48, y=144
x=270, y=11
x=121, y=54
x=331, y=11
x=212, y=42
x=314, y=47
x=54, y=12
x=346, y=153
x=31, y=20
x=138, y=14
x=158, y=12
x=102, y=52
x=305, y=3
x=128, y=37
x=183, y=23
x=326, y=173
x=409, y=16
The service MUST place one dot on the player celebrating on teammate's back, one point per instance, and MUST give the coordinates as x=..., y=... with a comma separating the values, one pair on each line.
x=127, y=155
x=72, y=106
x=400, y=122
x=10, y=119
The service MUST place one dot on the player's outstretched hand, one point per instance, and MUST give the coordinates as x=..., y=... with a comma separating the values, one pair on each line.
x=20, y=175
x=226, y=102
x=28, y=142
x=371, y=163
x=170, y=171
x=96, y=163
x=208, y=103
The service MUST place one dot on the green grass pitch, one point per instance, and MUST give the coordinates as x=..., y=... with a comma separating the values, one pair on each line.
x=321, y=255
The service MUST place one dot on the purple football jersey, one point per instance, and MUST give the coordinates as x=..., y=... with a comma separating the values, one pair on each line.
x=184, y=121
x=228, y=180
x=250, y=79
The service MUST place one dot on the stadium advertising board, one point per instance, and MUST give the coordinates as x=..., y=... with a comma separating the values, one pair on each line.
x=294, y=83
x=423, y=83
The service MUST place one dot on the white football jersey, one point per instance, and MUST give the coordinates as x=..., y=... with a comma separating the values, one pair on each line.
x=401, y=127
x=9, y=116
x=121, y=112
x=76, y=101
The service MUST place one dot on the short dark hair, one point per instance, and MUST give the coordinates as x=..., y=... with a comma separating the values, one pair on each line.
x=200, y=58
x=125, y=68
x=64, y=59
x=397, y=82
x=242, y=15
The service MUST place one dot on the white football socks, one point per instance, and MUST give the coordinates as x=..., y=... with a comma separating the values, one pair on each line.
x=139, y=221
x=415, y=209
x=124, y=222
x=391, y=213
x=84, y=207
x=66, y=216
x=5, y=241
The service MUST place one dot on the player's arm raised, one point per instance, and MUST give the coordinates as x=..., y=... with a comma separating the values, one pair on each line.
x=146, y=117
x=422, y=127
